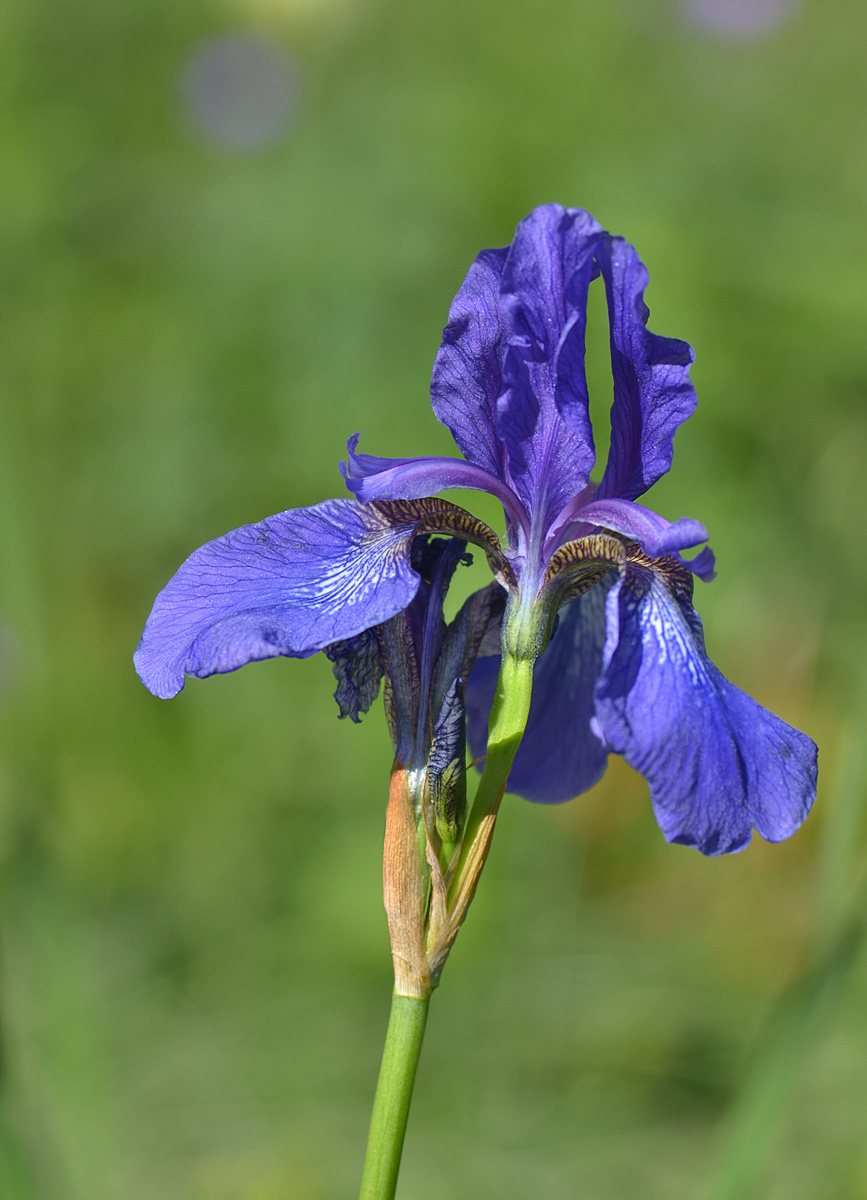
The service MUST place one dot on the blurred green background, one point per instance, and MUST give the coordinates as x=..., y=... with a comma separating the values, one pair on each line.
x=211, y=275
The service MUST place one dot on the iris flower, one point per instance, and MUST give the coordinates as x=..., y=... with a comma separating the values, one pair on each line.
x=598, y=595
x=425, y=662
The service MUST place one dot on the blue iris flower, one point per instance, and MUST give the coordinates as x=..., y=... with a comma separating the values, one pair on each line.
x=425, y=662
x=623, y=668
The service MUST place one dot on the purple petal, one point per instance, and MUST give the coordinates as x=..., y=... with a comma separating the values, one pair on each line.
x=654, y=534
x=560, y=756
x=358, y=669
x=703, y=565
x=653, y=393
x=467, y=378
x=293, y=584
x=542, y=416
x=370, y=477
x=447, y=760
x=718, y=764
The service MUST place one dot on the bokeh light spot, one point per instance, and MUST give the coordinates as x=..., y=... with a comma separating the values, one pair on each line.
x=238, y=91
x=739, y=18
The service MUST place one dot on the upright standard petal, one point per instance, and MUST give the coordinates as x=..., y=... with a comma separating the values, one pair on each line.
x=560, y=755
x=467, y=371
x=718, y=764
x=543, y=415
x=292, y=584
x=653, y=393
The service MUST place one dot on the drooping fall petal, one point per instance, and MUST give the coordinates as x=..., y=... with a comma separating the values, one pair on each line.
x=718, y=764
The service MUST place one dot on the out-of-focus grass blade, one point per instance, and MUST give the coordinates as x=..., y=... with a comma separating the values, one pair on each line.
x=16, y=1180
x=841, y=832
x=760, y=1107
x=55, y=1112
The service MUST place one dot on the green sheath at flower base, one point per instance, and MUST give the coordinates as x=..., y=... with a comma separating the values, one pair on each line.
x=509, y=715
x=508, y=722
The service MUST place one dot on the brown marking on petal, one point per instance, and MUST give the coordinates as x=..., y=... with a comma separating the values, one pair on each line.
x=580, y=565
x=432, y=515
x=678, y=577
x=595, y=550
x=401, y=671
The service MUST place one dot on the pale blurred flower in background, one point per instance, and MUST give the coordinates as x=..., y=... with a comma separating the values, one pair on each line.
x=238, y=91
x=740, y=18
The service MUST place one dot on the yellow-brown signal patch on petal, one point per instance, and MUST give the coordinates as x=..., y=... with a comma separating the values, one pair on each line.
x=433, y=515
x=677, y=575
x=580, y=565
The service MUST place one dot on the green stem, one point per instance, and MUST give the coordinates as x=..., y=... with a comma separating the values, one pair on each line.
x=408, y=1018
x=406, y=1025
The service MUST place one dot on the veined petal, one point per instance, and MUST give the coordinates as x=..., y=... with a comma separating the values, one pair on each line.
x=370, y=477
x=717, y=763
x=358, y=669
x=467, y=377
x=290, y=585
x=543, y=415
x=447, y=763
x=653, y=393
x=560, y=755
x=440, y=516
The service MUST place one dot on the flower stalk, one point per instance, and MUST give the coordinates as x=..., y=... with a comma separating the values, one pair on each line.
x=426, y=903
x=403, y=1041
x=584, y=567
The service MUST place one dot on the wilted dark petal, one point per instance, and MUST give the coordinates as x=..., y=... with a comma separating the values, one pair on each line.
x=560, y=755
x=291, y=585
x=543, y=416
x=467, y=378
x=718, y=764
x=446, y=764
x=478, y=619
x=654, y=534
x=410, y=645
x=653, y=393
x=370, y=477
x=436, y=560
x=402, y=690
x=357, y=666
x=449, y=730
